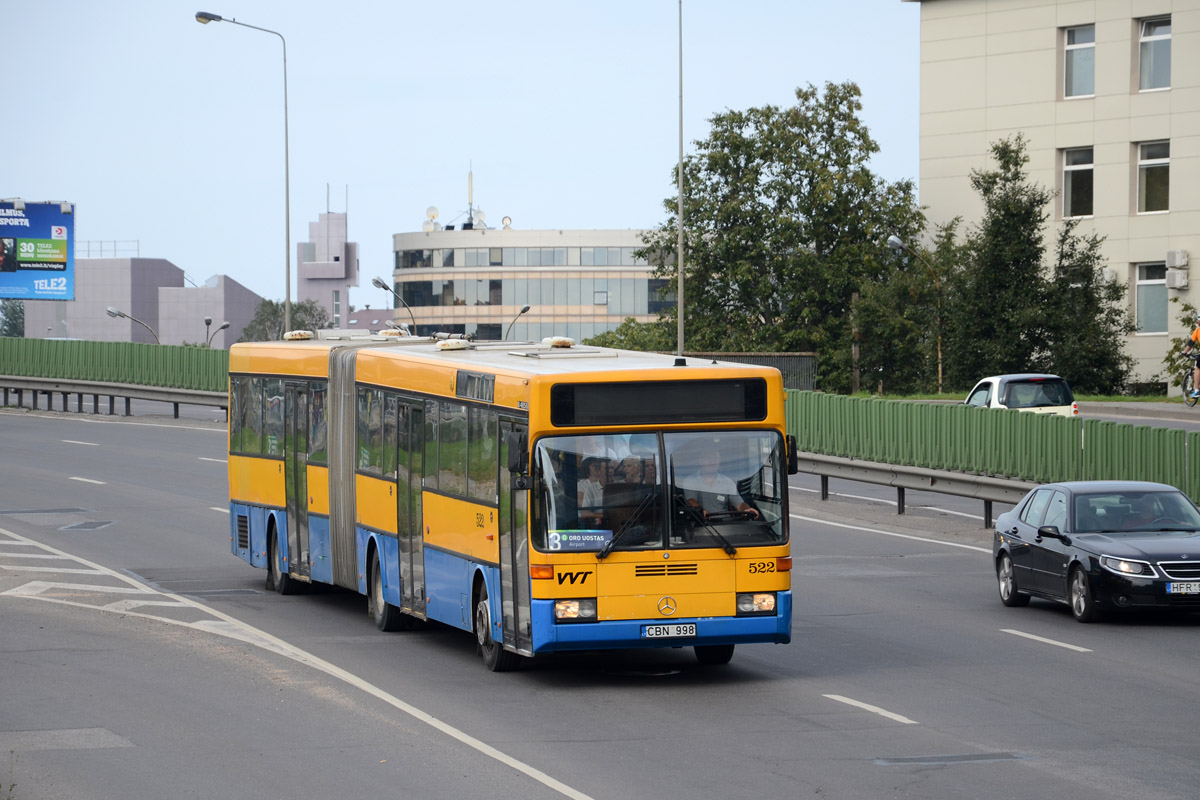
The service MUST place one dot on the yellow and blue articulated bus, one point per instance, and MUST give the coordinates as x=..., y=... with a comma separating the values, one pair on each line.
x=545, y=496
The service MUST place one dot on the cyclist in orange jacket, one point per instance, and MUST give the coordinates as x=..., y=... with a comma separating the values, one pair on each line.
x=1193, y=343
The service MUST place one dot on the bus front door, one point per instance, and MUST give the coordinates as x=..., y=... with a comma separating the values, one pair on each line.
x=295, y=460
x=514, y=548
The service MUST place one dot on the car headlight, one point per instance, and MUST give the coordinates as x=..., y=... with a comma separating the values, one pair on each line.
x=1127, y=566
x=582, y=609
x=752, y=603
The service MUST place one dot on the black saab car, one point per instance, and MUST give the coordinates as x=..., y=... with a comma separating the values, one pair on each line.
x=1100, y=546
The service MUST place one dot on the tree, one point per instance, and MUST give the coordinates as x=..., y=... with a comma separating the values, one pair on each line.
x=1088, y=320
x=784, y=224
x=1008, y=313
x=648, y=337
x=997, y=323
x=12, y=318
x=905, y=314
x=267, y=324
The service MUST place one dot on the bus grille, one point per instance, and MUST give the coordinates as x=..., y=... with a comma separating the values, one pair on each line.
x=658, y=570
x=1181, y=570
x=243, y=523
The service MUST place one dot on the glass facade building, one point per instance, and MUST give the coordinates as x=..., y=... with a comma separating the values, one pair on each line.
x=476, y=281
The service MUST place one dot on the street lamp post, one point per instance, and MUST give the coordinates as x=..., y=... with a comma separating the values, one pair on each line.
x=112, y=311
x=220, y=328
x=508, y=330
x=203, y=17
x=897, y=244
x=379, y=283
x=207, y=322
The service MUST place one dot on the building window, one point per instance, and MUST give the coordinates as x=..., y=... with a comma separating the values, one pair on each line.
x=337, y=309
x=1077, y=182
x=1154, y=56
x=1152, y=298
x=1079, y=62
x=1154, y=177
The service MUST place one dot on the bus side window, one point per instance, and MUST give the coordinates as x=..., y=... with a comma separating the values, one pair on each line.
x=317, y=447
x=273, y=418
x=483, y=461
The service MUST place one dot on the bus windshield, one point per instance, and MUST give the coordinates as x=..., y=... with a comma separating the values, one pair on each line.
x=643, y=491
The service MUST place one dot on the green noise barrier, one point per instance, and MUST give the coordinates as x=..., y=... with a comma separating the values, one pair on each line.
x=164, y=366
x=1041, y=448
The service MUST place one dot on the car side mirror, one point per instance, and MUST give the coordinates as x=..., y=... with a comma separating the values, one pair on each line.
x=1052, y=532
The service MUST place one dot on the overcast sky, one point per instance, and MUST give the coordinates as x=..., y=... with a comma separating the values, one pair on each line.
x=170, y=134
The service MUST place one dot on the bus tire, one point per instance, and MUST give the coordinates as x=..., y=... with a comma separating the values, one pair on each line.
x=714, y=654
x=495, y=657
x=277, y=579
x=386, y=616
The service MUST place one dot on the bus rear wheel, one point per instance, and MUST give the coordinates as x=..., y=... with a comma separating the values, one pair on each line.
x=495, y=657
x=386, y=616
x=277, y=579
x=714, y=654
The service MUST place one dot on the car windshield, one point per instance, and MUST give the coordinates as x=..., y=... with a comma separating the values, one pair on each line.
x=1138, y=512
x=1037, y=393
x=642, y=491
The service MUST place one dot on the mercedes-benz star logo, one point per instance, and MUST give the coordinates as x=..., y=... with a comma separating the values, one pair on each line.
x=666, y=606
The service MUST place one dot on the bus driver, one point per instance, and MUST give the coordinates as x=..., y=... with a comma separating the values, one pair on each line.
x=711, y=490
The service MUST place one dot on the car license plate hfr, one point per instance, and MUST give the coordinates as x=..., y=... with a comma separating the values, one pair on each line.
x=674, y=630
x=1184, y=587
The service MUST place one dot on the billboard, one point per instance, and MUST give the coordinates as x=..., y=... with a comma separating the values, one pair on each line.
x=37, y=250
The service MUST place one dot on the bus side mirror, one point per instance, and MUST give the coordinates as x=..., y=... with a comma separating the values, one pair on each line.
x=518, y=458
x=793, y=458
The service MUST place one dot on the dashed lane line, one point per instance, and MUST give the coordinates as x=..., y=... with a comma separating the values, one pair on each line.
x=873, y=709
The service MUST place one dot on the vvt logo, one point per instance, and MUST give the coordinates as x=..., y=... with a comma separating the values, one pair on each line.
x=573, y=577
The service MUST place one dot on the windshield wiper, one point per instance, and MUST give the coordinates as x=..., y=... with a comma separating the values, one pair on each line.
x=697, y=515
x=627, y=525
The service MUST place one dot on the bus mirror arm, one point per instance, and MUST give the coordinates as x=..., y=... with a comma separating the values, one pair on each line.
x=518, y=458
x=793, y=458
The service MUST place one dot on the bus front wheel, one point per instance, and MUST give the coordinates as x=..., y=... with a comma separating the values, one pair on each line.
x=495, y=657
x=714, y=654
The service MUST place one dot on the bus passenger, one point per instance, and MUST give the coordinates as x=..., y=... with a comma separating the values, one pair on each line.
x=591, y=490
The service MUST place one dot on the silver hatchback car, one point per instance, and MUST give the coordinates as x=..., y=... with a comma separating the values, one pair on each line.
x=1033, y=391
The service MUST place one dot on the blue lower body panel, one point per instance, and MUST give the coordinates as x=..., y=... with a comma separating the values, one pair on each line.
x=550, y=637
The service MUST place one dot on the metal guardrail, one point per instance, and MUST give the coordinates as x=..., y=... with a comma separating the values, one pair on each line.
x=982, y=487
x=50, y=387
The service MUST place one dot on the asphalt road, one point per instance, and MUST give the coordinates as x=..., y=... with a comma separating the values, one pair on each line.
x=139, y=659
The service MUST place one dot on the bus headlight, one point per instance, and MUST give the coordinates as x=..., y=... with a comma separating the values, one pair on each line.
x=582, y=609
x=752, y=603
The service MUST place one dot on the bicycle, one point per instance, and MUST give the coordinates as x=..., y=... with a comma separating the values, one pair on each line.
x=1188, y=380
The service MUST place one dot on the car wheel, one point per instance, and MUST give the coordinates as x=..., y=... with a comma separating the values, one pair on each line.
x=1006, y=578
x=1083, y=604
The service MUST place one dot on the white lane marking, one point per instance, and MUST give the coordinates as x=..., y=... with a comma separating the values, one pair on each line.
x=892, y=533
x=89, y=444
x=888, y=502
x=55, y=570
x=222, y=510
x=35, y=588
x=87, y=480
x=1044, y=640
x=248, y=633
x=873, y=709
x=71, y=417
x=36, y=555
x=218, y=460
